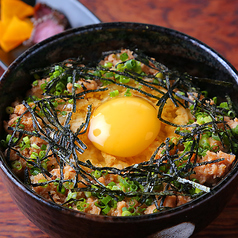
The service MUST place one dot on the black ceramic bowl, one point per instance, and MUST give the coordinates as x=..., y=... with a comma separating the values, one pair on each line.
x=173, y=48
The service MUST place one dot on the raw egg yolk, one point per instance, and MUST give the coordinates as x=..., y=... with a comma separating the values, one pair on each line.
x=124, y=126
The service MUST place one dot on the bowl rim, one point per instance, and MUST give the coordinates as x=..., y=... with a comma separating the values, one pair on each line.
x=102, y=218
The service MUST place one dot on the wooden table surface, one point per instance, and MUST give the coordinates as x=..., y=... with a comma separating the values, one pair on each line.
x=215, y=22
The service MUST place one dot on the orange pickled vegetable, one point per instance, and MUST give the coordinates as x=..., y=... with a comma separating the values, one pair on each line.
x=15, y=27
x=16, y=32
x=11, y=8
x=3, y=27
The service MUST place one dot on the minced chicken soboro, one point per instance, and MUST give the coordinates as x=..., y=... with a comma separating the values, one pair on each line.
x=69, y=141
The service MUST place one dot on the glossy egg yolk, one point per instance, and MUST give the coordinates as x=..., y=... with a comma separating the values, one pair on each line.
x=124, y=126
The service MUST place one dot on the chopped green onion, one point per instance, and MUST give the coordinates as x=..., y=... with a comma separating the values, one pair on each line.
x=124, y=56
x=34, y=155
x=71, y=101
x=204, y=143
x=197, y=190
x=97, y=174
x=43, y=163
x=55, y=103
x=106, y=200
x=77, y=85
x=69, y=185
x=108, y=64
x=82, y=205
x=235, y=130
x=41, y=154
x=69, y=79
x=231, y=114
x=16, y=164
x=224, y=105
x=159, y=75
x=71, y=195
x=181, y=93
x=35, y=83
x=215, y=137
x=205, y=93
x=123, y=79
x=131, y=64
x=66, y=91
x=43, y=147
x=87, y=194
x=106, y=210
x=126, y=213
x=59, y=87
x=35, y=146
x=148, y=201
x=128, y=93
x=120, y=67
x=207, y=119
x=97, y=73
x=43, y=181
x=43, y=86
x=156, y=81
x=114, y=93
x=9, y=110
x=62, y=190
x=105, y=82
x=108, y=74
x=26, y=140
x=215, y=100
x=34, y=171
